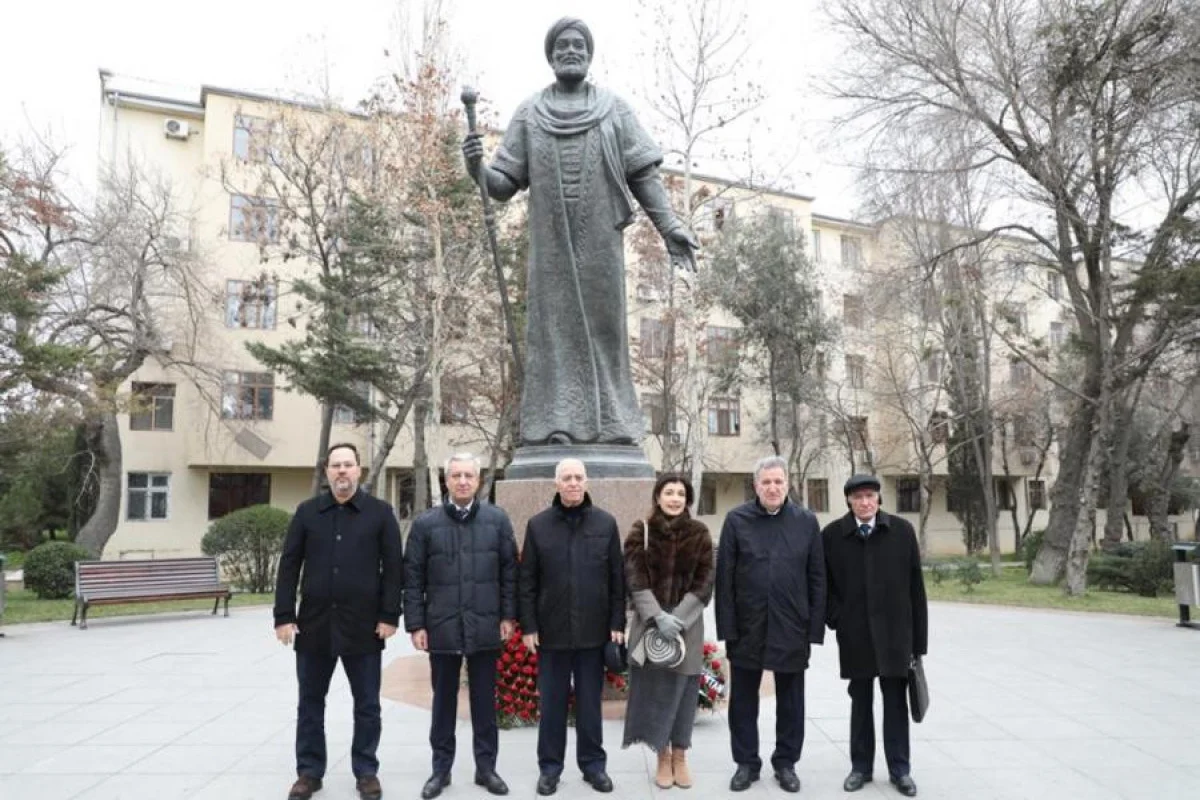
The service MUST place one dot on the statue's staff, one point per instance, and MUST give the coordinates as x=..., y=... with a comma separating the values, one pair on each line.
x=469, y=98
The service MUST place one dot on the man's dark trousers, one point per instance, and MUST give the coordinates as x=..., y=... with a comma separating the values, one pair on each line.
x=314, y=670
x=743, y=717
x=556, y=669
x=895, y=725
x=445, y=669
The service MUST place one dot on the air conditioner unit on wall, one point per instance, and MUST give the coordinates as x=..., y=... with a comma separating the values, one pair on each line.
x=176, y=129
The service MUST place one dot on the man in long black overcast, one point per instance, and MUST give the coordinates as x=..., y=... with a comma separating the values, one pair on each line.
x=346, y=544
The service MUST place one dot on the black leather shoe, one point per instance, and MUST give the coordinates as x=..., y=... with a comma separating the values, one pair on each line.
x=855, y=780
x=599, y=780
x=547, y=784
x=304, y=788
x=433, y=787
x=788, y=780
x=742, y=778
x=492, y=782
x=905, y=785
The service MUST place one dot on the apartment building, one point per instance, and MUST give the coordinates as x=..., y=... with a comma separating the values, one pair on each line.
x=192, y=455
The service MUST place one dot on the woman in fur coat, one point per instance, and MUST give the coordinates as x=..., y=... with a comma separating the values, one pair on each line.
x=669, y=575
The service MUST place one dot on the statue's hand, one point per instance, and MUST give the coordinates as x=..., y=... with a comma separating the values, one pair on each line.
x=472, y=148
x=682, y=245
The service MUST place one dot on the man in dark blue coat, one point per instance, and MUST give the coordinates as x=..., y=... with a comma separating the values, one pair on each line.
x=877, y=606
x=770, y=611
x=346, y=544
x=460, y=588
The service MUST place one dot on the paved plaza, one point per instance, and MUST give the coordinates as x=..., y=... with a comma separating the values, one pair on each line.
x=1026, y=704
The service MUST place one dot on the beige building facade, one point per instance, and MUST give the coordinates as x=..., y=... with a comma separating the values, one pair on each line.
x=194, y=451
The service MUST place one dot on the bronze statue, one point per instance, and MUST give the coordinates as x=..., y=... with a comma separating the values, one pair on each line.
x=585, y=159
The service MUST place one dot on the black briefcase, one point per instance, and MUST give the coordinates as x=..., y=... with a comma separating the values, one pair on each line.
x=918, y=690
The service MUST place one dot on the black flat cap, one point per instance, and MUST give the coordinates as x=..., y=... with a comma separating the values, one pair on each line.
x=862, y=482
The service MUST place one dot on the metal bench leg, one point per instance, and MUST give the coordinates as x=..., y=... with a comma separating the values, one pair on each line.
x=216, y=602
x=83, y=618
x=227, y=605
x=75, y=613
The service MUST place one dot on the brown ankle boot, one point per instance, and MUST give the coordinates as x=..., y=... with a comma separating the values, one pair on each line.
x=664, y=778
x=683, y=776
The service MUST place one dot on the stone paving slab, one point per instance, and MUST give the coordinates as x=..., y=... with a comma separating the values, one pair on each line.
x=1026, y=704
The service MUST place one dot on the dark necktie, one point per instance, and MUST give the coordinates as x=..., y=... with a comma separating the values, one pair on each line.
x=462, y=512
x=864, y=530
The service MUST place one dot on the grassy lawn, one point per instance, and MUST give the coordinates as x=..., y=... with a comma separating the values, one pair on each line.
x=24, y=606
x=1013, y=589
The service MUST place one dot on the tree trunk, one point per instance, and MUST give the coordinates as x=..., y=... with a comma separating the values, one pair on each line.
x=1066, y=494
x=1081, y=535
x=1158, y=503
x=421, y=488
x=104, y=437
x=384, y=448
x=322, y=447
x=1117, y=488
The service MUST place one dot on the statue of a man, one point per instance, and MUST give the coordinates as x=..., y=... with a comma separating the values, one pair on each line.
x=584, y=158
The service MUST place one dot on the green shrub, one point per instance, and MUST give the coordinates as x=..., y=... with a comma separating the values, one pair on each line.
x=969, y=574
x=939, y=571
x=1030, y=546
x=50, y=569
x=247, y=544
x=1143, y=568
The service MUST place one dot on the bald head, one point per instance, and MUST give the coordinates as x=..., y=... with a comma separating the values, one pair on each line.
x=570, y=479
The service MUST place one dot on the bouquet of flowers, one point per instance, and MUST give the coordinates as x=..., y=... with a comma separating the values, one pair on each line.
x=516, y=684
x=713, y=683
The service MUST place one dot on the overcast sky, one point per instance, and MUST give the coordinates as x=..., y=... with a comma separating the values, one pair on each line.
x=54, y=48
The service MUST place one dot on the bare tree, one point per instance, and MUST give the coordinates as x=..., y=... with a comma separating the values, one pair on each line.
x=1073, y=108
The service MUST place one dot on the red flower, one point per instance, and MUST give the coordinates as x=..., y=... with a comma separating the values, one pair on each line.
x=712, y=694
x=508, y=698
x=506, y=658
x=526, y=670
x=525, y=715
x=716, y=664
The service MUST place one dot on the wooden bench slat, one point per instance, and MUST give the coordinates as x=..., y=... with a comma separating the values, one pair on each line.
x=111, y=582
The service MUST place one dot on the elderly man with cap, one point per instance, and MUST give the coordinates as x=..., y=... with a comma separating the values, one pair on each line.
x=877, y=606
x=585, y=160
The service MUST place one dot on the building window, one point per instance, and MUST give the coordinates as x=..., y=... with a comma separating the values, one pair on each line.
x=153, y=407
x=346, y=415
x=851, y=251
x=1058, y=334
x=856, y=372
x=908, y=495
x=821, y=365
x=147, y=495
x=722, y=212
x=252, y=138
x=721, y=345
x=1006, y=498
x=253, y=219
x=1013, y=316
x=818, y=494
x=654, y=338
x=707, y=504
x=230, y=491
x=1054, y=285
x=822, y=430
x=855, y=431
x=653, y=410
x=852, y=310
x=816, y=246
x=456, y=406
x=1019, y=373
x=1037, y=494
x=939, y=427
x=248, y=395
x=724, y=416
x=933, y=367
x=250, y=304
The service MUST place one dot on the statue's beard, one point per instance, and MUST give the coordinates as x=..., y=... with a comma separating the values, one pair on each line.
x=571, y=71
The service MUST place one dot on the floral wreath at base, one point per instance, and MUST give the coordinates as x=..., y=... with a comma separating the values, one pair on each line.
x=713, y=685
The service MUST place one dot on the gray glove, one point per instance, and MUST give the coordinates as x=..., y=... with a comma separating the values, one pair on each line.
x=669, y=625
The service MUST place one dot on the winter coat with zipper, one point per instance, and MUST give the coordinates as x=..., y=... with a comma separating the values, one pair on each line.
x=770, y=587
x=460, y=578
x=572, y=583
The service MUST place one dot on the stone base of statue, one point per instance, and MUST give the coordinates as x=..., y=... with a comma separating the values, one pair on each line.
x=601, y=460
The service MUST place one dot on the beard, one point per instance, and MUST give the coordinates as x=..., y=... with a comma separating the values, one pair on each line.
x=571, y=71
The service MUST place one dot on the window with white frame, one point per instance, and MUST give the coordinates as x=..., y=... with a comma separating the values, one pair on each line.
x=248, y=395
x=856, y=371
x=252, y=138
x=153, y=407
x=851, y=251
x=147, y=495
x=654, y=338
x=724, y=416
x=250, y=304
x=253, y=219
x=853, y=310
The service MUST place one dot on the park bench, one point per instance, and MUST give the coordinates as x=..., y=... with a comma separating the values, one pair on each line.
x=146, y=581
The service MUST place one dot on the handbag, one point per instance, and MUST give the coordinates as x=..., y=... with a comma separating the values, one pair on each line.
x=654, y=649
x=918, y=690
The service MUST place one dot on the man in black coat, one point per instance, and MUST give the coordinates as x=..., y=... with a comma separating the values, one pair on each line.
x=572, y=604
x=877, y=606
x=346, y=544
x=460, y=590
x=770, y=611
